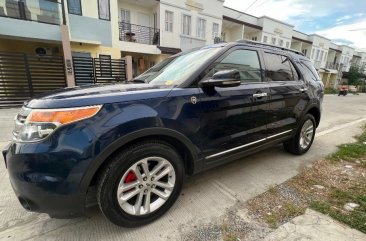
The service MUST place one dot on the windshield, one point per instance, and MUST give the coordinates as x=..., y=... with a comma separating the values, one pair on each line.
x=175, y=70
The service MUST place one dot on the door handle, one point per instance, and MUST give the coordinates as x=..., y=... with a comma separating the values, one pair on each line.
x=260, y=95
x=302, y=90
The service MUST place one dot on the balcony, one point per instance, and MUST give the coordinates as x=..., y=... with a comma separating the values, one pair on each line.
x=43, y=11
x=331, y=65
x=138, y=34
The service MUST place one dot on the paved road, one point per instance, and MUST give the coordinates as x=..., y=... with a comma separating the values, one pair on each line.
x=204, y=197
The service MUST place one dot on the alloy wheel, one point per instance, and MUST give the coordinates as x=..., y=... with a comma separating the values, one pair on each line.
x=307, y=133
x=146, y=186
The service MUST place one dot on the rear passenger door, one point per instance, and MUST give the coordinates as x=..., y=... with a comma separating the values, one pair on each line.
x=288, y=93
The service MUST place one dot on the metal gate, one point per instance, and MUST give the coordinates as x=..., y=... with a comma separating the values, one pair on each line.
x=98, y=70
x=22, y=76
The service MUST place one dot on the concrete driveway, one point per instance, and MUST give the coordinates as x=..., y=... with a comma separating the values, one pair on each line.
x=204, y=197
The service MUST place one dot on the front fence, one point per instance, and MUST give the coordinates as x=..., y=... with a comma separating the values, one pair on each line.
x=98, y=70
x=22, y=76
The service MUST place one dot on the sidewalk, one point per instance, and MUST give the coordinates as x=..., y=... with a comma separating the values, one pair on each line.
x=315, y=226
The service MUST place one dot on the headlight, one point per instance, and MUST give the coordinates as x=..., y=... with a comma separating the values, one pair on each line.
x=36, y=124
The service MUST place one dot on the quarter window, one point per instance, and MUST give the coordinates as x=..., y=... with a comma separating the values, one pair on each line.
x=310, y=68
x=246, y=61
x=168, y=21
x=74, y=6
x=279, y=68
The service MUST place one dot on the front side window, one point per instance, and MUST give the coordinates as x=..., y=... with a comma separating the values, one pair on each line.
x=74, y=6
x=245, y=61
x=215, y=30
x=279, y=68
x=201, y=28
x=103, y=8
x=168, y=21
x=186, y=25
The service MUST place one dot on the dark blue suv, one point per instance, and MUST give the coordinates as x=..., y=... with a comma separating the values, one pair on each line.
x=133, y=143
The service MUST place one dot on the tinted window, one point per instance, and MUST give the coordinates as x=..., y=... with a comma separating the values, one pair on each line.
x=294, y=71
x=310, y=68
x=279, y=68
x=246, y=61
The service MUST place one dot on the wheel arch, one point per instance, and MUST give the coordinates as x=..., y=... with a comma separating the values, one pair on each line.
x=181, y=143
x=314, y=111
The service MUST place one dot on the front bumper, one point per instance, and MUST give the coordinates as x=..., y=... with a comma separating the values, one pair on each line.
x=41, y=184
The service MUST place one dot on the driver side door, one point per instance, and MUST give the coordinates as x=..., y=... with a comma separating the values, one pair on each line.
x=234, y=119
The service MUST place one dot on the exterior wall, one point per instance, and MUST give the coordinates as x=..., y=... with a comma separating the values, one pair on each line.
x=95, y=50
x=34, y=31
x=87, y=29
x=210, y=10
x=346, y=57
x=28, y=47
x=275, y=29
x=319, y=51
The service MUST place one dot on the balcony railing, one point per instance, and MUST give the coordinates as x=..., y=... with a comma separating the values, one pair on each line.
x=138, y=34
x=331, y=65
x=44, y=11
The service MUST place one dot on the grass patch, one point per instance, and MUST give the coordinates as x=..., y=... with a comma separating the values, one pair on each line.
x=352, y=151
x=325, y=187
x=333, y=206
x=288, y=211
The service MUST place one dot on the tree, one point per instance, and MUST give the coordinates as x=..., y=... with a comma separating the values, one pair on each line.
x=354, y=76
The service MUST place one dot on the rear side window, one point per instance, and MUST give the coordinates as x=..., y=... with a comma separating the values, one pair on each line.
x=246, y=61
x=279, y=68
x=307, y=65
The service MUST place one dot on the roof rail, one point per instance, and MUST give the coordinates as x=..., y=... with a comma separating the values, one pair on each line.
x=268, y=45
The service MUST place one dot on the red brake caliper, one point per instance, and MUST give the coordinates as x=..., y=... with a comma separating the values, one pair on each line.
x=131, y=176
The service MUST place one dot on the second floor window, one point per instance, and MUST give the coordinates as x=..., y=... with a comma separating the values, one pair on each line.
x=168, y=21
x=201, y=28
x=186, y=25
x=104, y=11
x=215, y=30
x=280, y=42
x=74, y=6
x=273, y=41
x=125, y=16
x=265, y=39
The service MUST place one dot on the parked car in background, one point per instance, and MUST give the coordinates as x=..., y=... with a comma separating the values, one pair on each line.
x=135, y=142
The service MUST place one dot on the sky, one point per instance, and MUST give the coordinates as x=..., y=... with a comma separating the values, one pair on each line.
x=342, y=21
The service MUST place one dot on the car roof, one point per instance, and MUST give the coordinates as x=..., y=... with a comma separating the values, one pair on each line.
x=296, y=55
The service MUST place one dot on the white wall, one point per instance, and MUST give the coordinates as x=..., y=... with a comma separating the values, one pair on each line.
x=210, y=10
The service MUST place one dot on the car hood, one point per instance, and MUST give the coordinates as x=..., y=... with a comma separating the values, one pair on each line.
x=96, y=95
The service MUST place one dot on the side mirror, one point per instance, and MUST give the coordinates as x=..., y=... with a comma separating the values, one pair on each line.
x=223, y=78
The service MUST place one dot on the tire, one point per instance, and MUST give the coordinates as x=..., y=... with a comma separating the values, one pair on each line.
x=116, y=177
x=298, y=146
